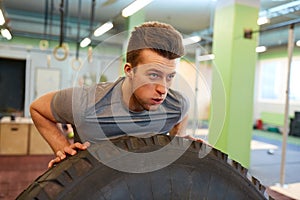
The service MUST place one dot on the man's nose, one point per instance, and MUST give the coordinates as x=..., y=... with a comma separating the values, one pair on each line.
x=161, y=88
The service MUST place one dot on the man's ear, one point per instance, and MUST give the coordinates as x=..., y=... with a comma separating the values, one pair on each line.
x=128, y=70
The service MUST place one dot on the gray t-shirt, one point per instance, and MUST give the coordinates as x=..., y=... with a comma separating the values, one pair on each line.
x=98, y=112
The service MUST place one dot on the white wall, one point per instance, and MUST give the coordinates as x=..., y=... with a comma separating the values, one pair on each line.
x=35, y=58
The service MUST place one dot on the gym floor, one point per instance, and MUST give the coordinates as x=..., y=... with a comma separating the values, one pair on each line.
x=266, y=154
x=17, y=172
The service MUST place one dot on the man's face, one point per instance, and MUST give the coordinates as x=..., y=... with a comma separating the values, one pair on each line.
x=151, y=80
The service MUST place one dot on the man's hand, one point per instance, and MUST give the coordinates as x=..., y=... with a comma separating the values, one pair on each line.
x=68, y=150
x=194, y=139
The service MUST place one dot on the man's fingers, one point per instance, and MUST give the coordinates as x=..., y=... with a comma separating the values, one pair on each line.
x=87, y=144
x=81, y=146
x=53, y=161
x=71, y=150
x=73, y=147
x=61, y=155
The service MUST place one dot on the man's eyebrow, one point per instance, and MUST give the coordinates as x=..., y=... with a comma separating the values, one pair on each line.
x=154, y=69
x=159, y=71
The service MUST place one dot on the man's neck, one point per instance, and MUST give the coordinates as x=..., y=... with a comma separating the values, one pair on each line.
x=128, y=98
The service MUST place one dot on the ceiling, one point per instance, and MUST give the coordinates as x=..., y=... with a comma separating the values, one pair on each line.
x=190, y=17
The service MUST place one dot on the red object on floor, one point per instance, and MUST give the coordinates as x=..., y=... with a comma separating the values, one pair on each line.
x=259, y=124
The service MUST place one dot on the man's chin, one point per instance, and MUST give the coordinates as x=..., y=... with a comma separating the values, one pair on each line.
x=152, y=108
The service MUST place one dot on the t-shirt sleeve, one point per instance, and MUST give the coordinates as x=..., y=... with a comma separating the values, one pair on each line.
x=178, y=102
x=61, y=106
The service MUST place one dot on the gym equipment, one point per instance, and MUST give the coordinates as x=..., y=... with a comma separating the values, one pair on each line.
x=62, y=47
x=202, y=172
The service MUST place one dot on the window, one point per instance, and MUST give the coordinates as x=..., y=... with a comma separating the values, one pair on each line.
x=273, y=80
x=295, y=81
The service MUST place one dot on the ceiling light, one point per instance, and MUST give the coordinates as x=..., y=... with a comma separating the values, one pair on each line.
x=134, y=7
x=284, y=6
x=191, y=40
x=2, y=19
x=260, y=49
x=103, y=29
x=85, y=42
x=263, y=20
x=6, y=34
x=281, y=10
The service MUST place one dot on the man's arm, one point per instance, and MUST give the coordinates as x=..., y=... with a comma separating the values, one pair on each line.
x=180, y=128
x=45, y=123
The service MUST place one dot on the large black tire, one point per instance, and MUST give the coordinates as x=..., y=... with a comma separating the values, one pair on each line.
x=189, y=177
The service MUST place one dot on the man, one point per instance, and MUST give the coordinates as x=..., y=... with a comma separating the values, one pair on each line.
x=137, y=104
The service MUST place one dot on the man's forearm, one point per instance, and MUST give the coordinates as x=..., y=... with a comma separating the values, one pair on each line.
x=50, y=132
x=45, y=122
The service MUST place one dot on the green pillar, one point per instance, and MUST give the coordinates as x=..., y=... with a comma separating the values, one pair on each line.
x=235, y=61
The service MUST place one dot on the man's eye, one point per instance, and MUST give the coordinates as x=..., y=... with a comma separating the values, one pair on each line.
x=171, y=76
x=153, y=75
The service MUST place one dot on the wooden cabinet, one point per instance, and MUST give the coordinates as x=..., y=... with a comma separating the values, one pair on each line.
x=37, y=144
x=14, y=138
x=22, y=138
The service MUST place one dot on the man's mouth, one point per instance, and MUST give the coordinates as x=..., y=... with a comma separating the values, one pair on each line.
x=157, y=100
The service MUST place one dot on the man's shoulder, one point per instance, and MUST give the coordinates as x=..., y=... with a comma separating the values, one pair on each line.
x=176, y=100
x=103, y=88
x=175, y=94
x=105, y=85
